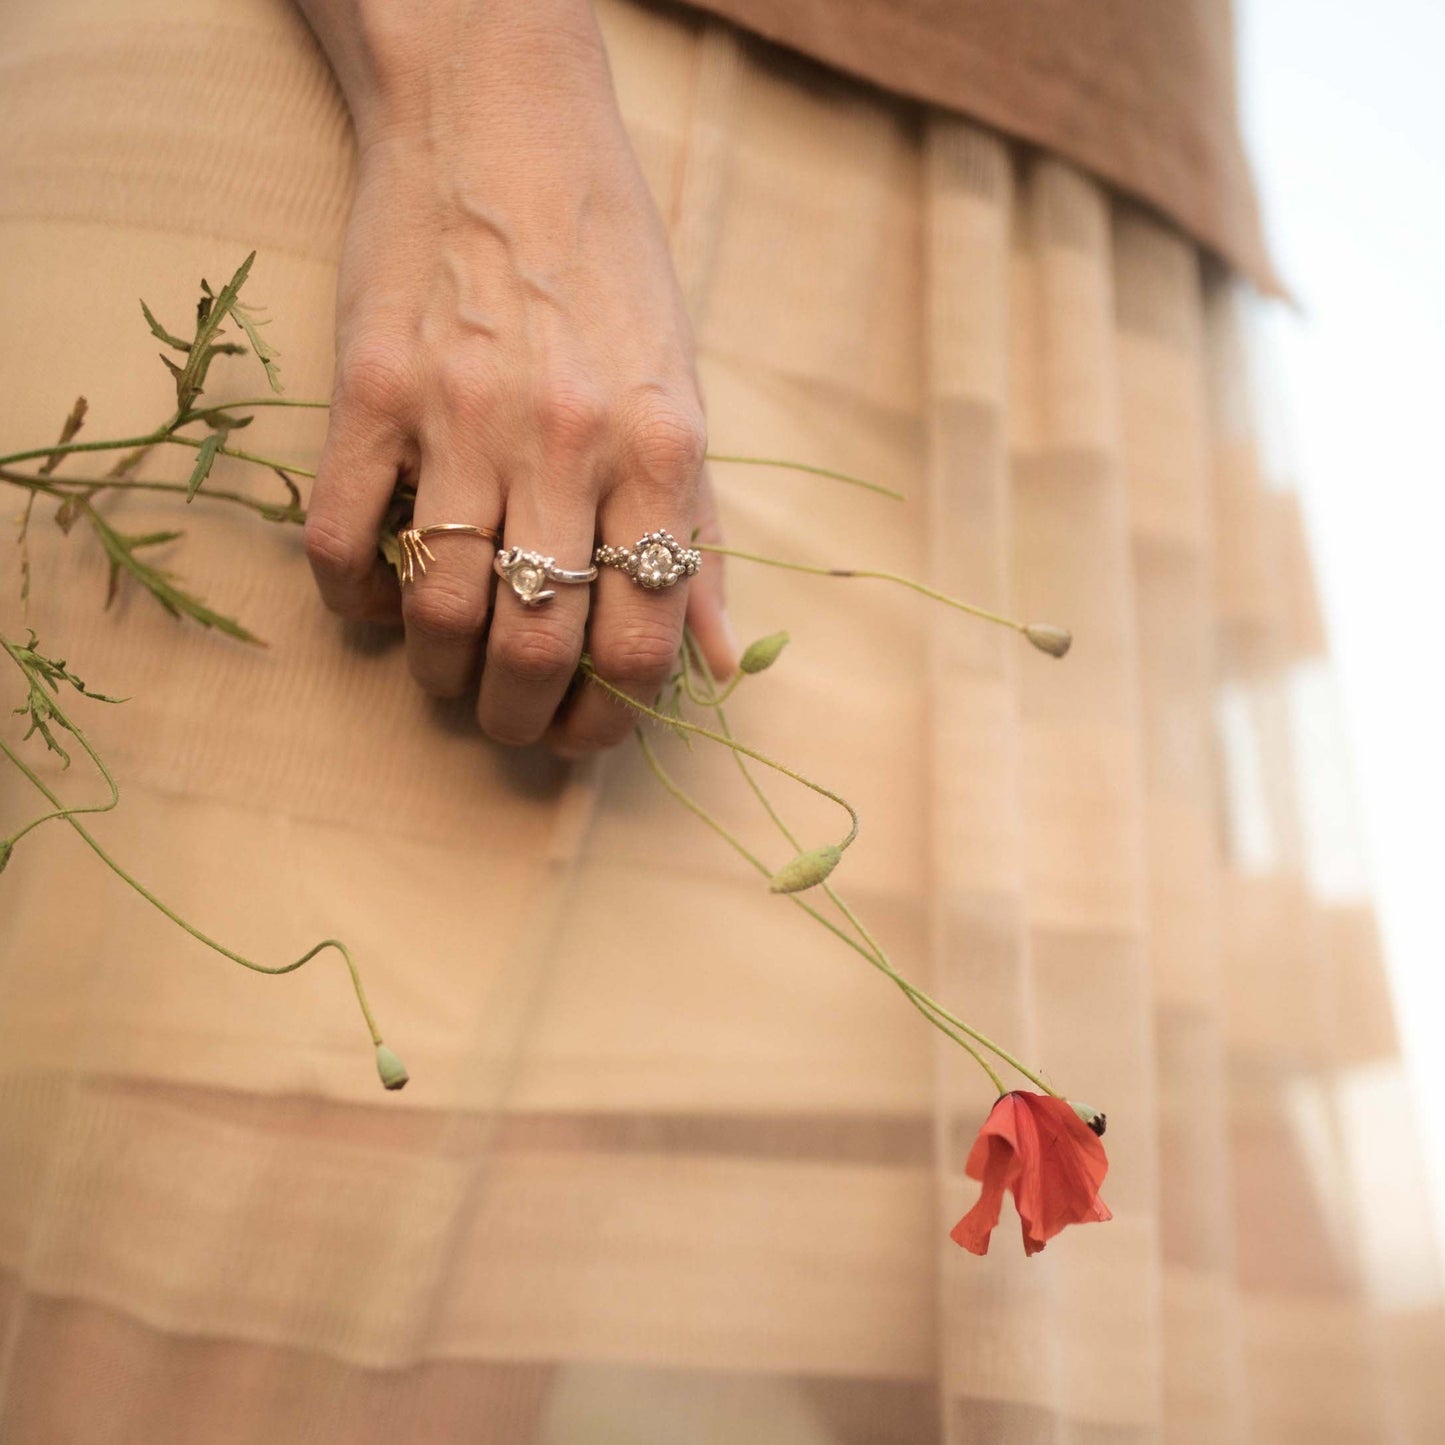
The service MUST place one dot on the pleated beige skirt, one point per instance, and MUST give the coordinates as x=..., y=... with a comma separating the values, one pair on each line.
x=675, y=1166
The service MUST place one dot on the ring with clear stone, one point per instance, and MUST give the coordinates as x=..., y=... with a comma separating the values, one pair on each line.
x=527, y=573
x=658, y=560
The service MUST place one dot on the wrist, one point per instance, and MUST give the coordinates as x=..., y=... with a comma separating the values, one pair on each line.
x=453, y=70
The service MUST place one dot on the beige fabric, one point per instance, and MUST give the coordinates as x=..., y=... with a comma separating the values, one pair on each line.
x=674, y=1166
x=1138, y=92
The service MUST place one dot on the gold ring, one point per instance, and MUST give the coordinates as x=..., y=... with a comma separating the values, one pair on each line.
x=415, y=553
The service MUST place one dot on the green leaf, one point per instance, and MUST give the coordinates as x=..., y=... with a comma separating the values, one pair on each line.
x=121, y=551
x=160, y=333
x=205, y=459
x=266, y=354
x=211, y=311
x=43, y=676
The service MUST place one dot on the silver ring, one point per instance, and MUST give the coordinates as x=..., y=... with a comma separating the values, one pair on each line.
x=658, y=560
x=527, y=572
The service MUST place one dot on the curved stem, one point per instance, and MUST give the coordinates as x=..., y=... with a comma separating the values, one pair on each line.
x=828, y=472
x=739, y=847
x=180, y=922
x=737, y=747
x=893, y=577
x=876, y=950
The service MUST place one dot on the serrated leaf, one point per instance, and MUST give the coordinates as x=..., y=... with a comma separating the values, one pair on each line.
x=121, y=551
x=266, y=354
x=205, y=459
x=160, y=333
x=43, y=676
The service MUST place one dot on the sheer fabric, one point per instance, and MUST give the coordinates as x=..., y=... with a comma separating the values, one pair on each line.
x=674, y=1165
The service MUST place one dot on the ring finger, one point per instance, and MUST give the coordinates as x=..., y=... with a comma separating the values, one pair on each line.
x=533, y=650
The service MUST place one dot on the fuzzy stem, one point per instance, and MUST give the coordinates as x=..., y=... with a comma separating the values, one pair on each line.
x=64, y=450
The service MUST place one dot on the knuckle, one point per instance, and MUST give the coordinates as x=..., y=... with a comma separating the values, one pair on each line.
x=375, y=375
x=442, y=612
x=335, y=551
x=667, y=443
x=571, y=416
x=639, y=655
x=464, y=384
x=535, y=654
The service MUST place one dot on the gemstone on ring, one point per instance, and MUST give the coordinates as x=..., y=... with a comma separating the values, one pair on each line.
x=658, y=560
x=528, y=572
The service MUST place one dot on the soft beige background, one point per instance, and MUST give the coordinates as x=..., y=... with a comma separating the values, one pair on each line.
x=674, y=1165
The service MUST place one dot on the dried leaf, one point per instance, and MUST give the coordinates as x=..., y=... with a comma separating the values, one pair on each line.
x=130, y=461
x=67, y=433
x=291, y=487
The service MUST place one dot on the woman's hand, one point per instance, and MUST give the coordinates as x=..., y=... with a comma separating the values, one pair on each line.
x=511, y=341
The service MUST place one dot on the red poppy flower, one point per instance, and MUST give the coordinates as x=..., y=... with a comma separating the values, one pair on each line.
x=1040, y=1148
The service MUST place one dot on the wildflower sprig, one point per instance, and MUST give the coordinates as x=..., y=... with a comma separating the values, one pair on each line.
x=78, y=500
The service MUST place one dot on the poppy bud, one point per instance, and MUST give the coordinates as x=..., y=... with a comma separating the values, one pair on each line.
x=807, y=870
x=1056, y=641
x=763, y=653
x=392, y=1070
x=1092, y=1117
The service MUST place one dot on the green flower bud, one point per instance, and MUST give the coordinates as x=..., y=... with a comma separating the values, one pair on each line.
x=1056, y=641
x=392, y=1070
x=763, y=653
x=807, y=870
x=1092, y=1117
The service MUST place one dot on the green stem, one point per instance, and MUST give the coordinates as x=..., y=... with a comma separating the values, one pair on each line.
x=195, y=442
x=53, y=450
x=876, y=948
x=180, y=922
x=893, y=577
x=267, y=401
x=272, y=511
x=738, y=846
x=737, y=747
x=828, y=472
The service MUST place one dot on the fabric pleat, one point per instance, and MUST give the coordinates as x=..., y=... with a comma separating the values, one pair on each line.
x=675, y=1165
